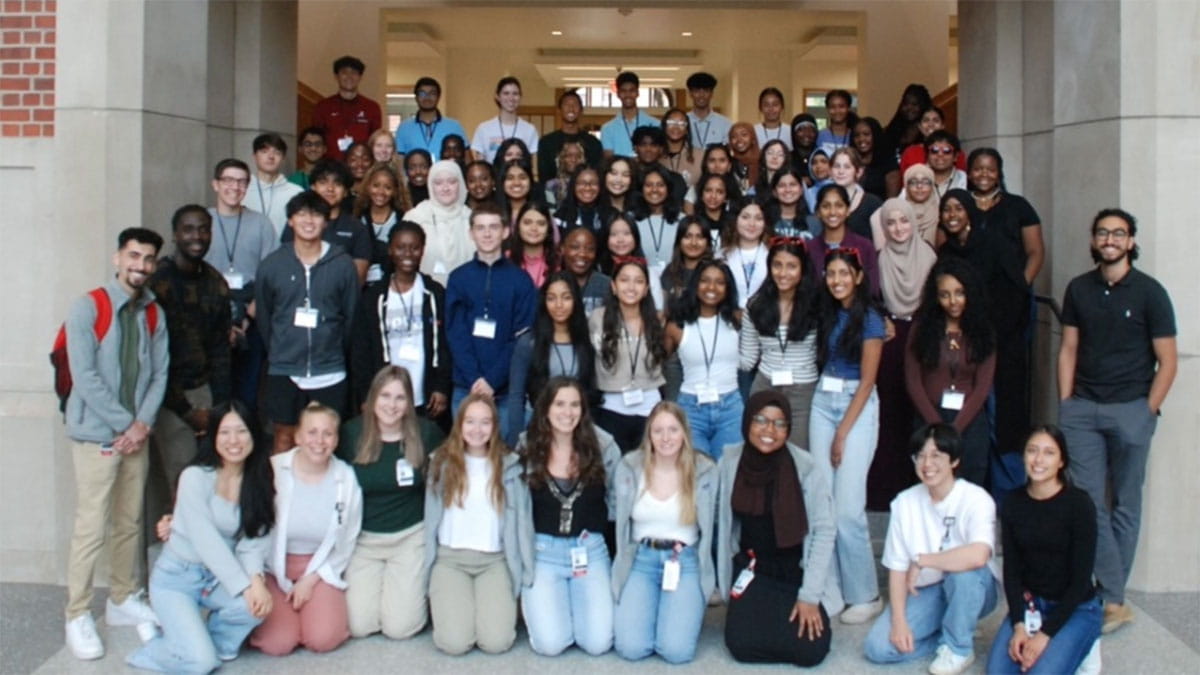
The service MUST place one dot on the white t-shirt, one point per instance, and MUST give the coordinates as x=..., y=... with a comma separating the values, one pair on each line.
x=782, y=132
x=491, y=133
x=656, y=518
x=966, y=516
x=406, y=335
x=474, y=526
x=311, y=508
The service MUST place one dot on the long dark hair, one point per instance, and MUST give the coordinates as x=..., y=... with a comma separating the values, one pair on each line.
x=499, y=165
x=632, y=196
x=516, y=245
x=588, y=459
x=849, y=344
x=569, y=211
x=762, y=188
x=1060, y=439
x=881, y=146
x=612, y=329
x=604, y=257
x=502, y=198
x=899, y=124
x=930, y=319
x=257, y=496
x=772, y=209
x=764, y=305
x=675, y=276
x=670, y=207
x=543, y=338
x=688, y=150
x=688, y=306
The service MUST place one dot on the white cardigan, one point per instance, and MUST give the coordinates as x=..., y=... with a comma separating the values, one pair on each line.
x=333, y=555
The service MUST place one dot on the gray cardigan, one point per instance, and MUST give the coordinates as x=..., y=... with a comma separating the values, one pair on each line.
x=93, y=413
x=518, y=554
x=627, y=495
x=818, y=543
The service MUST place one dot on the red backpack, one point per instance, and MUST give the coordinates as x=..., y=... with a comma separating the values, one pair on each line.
x=58, y=354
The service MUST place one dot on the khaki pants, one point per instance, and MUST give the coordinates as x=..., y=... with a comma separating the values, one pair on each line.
x=384, y=591
x=108, y=497
x=471, y=602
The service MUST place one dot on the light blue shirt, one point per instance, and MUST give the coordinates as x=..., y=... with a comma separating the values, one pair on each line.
x=413, y=134
x=616, y=135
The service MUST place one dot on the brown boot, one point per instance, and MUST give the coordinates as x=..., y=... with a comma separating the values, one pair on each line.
x=1115, y=616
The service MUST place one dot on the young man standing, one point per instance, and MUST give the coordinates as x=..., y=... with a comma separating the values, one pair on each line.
x=196, y=301
x=427, y=129
x=305, y=293
x=347, y=117
x=938, y=554
x=708, y=127
x=1115, y=366
x=332, y=180
x=570, y=107
x=491, y=133
x=269, y=191
x=312, y=149
x=119, y=381
x=490, y=302
x=616, y=136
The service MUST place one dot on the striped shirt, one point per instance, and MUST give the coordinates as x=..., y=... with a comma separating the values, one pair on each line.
x=774, y=353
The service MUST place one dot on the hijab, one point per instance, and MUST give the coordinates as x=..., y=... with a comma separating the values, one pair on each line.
x=928, y=212
x=749, y=158
x=766, y=483
x=447, y=226
x=903, y=266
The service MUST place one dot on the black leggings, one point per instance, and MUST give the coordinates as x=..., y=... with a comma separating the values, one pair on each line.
x=626, y=430
x=757, y=629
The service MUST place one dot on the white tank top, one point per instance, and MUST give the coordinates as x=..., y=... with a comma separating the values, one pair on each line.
x=708, y=353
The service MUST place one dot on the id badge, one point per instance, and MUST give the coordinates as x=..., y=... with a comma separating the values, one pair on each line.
x=632, y=397
x=706, y=394
x=670, y=579
x=234, y=280
x=484, y=328
x=439, y=268
x=374, y=273
x=106, y=449
x=834, y=384
x=781, y=378
x=743, y=581
x=306, y=317
x=579, y=561
x=1033, y=621
x=405, y=476
x=345, y=142
x=953, y=400
x=408, y=352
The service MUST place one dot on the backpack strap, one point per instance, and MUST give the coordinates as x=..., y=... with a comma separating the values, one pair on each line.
x=152, y=317
x=103, y=313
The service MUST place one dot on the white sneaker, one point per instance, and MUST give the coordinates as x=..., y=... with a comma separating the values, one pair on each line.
x=948, y=663
x=1092, y=662
x=129, y=613
x=862, y=612
x=85, y=644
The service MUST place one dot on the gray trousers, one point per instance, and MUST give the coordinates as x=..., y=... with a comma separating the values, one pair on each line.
x=1109, y=444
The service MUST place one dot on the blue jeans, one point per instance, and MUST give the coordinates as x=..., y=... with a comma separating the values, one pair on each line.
x=460, y=393
x=560, y=608
x=650, y=620
x=714, y=425
x=942, y=613
x=855, y=560
x=179, y=590
x=1065, y=651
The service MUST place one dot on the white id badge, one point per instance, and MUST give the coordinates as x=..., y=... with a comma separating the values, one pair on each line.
x=834, y=384
x=306, y=317
x=439, y=268
x=670, y=575
x=408, y=352
x=484, y=328
x=579, y=561
x=374, y=273
x=345, y=142
x=1033, y=621
x=706, y=393
x=632, y=397
x=781, y=378
x=234, y=280
x=743, y=581
x=953, y=400
x=404, y=473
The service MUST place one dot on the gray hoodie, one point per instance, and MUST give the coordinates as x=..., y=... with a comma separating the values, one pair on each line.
x=94, y=413
x=627, y=495
x=818, y=543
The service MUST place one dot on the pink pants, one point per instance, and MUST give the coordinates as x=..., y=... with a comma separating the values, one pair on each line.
x=320, y=625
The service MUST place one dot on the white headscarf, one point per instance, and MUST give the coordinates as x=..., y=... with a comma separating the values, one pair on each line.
x=447, y=227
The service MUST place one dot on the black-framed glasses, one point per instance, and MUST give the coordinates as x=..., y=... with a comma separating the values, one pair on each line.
x=762, y=421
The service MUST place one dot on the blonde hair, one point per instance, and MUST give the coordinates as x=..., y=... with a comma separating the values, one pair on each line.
x=318, y=408
x=448, y=466
x=686, y=461
x=370, y=442
x=393, y=163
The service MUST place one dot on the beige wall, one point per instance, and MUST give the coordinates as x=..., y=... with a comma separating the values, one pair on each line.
x=329, y=29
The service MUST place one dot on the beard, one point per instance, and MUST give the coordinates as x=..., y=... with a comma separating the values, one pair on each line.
x=1098, y=257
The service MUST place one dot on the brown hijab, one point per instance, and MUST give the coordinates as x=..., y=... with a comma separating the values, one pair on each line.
x=766, y=483
x=749, y=158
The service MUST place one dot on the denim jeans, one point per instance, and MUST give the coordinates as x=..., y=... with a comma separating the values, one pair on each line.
x=562, y=609
x=714, y=425
x=1065, y=651
x=854, y=558
x=650, y=620
x=179, y=591
x=944, y=613
x=460, y=393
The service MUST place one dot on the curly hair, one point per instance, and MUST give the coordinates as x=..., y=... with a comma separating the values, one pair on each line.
x=930, y=319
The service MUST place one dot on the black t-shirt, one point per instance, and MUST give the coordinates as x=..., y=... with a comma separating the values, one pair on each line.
x=1117, y=324
x=551, y=144
x=589, y=512
x=345, y=231
x=1001, y=228
x=874, y=178
x=758, y=535
x=859, y=220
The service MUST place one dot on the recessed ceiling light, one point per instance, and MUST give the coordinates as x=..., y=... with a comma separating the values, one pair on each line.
x=686, y=33
x=556, y=32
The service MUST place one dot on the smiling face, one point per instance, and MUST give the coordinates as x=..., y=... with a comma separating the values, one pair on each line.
x=775, y=156
x=838, y=110
x=477, y=425
x=768, y=430
x=391, y=405
x=307, y=225
x=570, y=108
x=566, y=409
x=383, y=148
x=620, y=238
x=405, y=251
x=358, y=160
x=234, y=442
x=587, y=187
x=740, y=139
x=666, y=435
x=676, y=126
x=509, y=98
x=480, y=183
x=317, y=437
x=627, y=92
x=805, y=136
x=417, y=168
x=918, y=189
x=954, y=216
x=898, y=226
x=832, y=210
x=714, y=195
x=786, y=270
x=842, y=280
x=951, y=296
x=446, y=189
x=231, y=186
x=750, y=223
x=513, y=153
x=313, y=148
x=934, y=467
x=654, y=189
x=571, y=158
x=516, y=183
x=348, y=78
x=940, y=156
x=648, y=151
x=984, y=173
x=630, y=285
x=788, y=190
x=193, y=235
x=1112, y=240
x=452, y=149
x=1044, y=462
x=818, y=166
x=863, y=139
x=560, y=302
x=843, y=171
x=694, y=243
x=619, y=178
x=771, y=108
x=579, y=251
x=135, y=262
x=533, y=228
x=930, y=122
x=382, y=189
x=711, y=287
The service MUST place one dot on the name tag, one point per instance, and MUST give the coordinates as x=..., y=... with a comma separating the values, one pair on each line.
x=953, y=400
x=706, y=394
x=405, y=476
x=234, y=280
x=1033, y=621
x=439, y=268
x=408, y=352
x=484, y=328
x=743, y=581
x=345, y=142
x=834, y=384
x=632, y=397
x=306, y=317
x=781, y=378
x=670, y=580
x=374, y=273
x=579, y=561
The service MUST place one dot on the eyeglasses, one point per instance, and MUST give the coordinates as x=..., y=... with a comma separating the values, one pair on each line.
x=313, y=144
x=1100, y=234
x=676, y=123
x=761, y=420
x=939, y=151
x=425, y=93
x=230, y=181
x=918, y=182
x=930, y=458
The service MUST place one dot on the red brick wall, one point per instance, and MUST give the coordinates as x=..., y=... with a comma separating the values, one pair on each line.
x=27, y=66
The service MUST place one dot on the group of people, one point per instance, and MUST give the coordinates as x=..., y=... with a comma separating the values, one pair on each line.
x=598, y=382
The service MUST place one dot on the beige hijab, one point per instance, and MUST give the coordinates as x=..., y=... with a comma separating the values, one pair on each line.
x=925, y=213
x=903, y=266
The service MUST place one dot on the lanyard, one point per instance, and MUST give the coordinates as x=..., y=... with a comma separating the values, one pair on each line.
x=662, y=226
x=487, y=291
x=501, y=125
x=428, y=131
x=409, y=311
x=783, y=341
x=709, y=358
x=703, y=137
x=626, y=123
x=561, y=363
x=778, y=132
x=230, y=249
x=266, y=207
x=748, y=268
x=637, y=350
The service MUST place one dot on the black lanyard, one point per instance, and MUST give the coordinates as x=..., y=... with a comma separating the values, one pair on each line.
x=662, y=227
x=636, y=352
x=709, y=358
x=230, y=249
x=408, y=310
x=562, y=364
x=266, y=207
x=703, y=137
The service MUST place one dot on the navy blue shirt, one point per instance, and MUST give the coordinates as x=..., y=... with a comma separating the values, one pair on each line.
x=502, y=293
x=840, y=366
